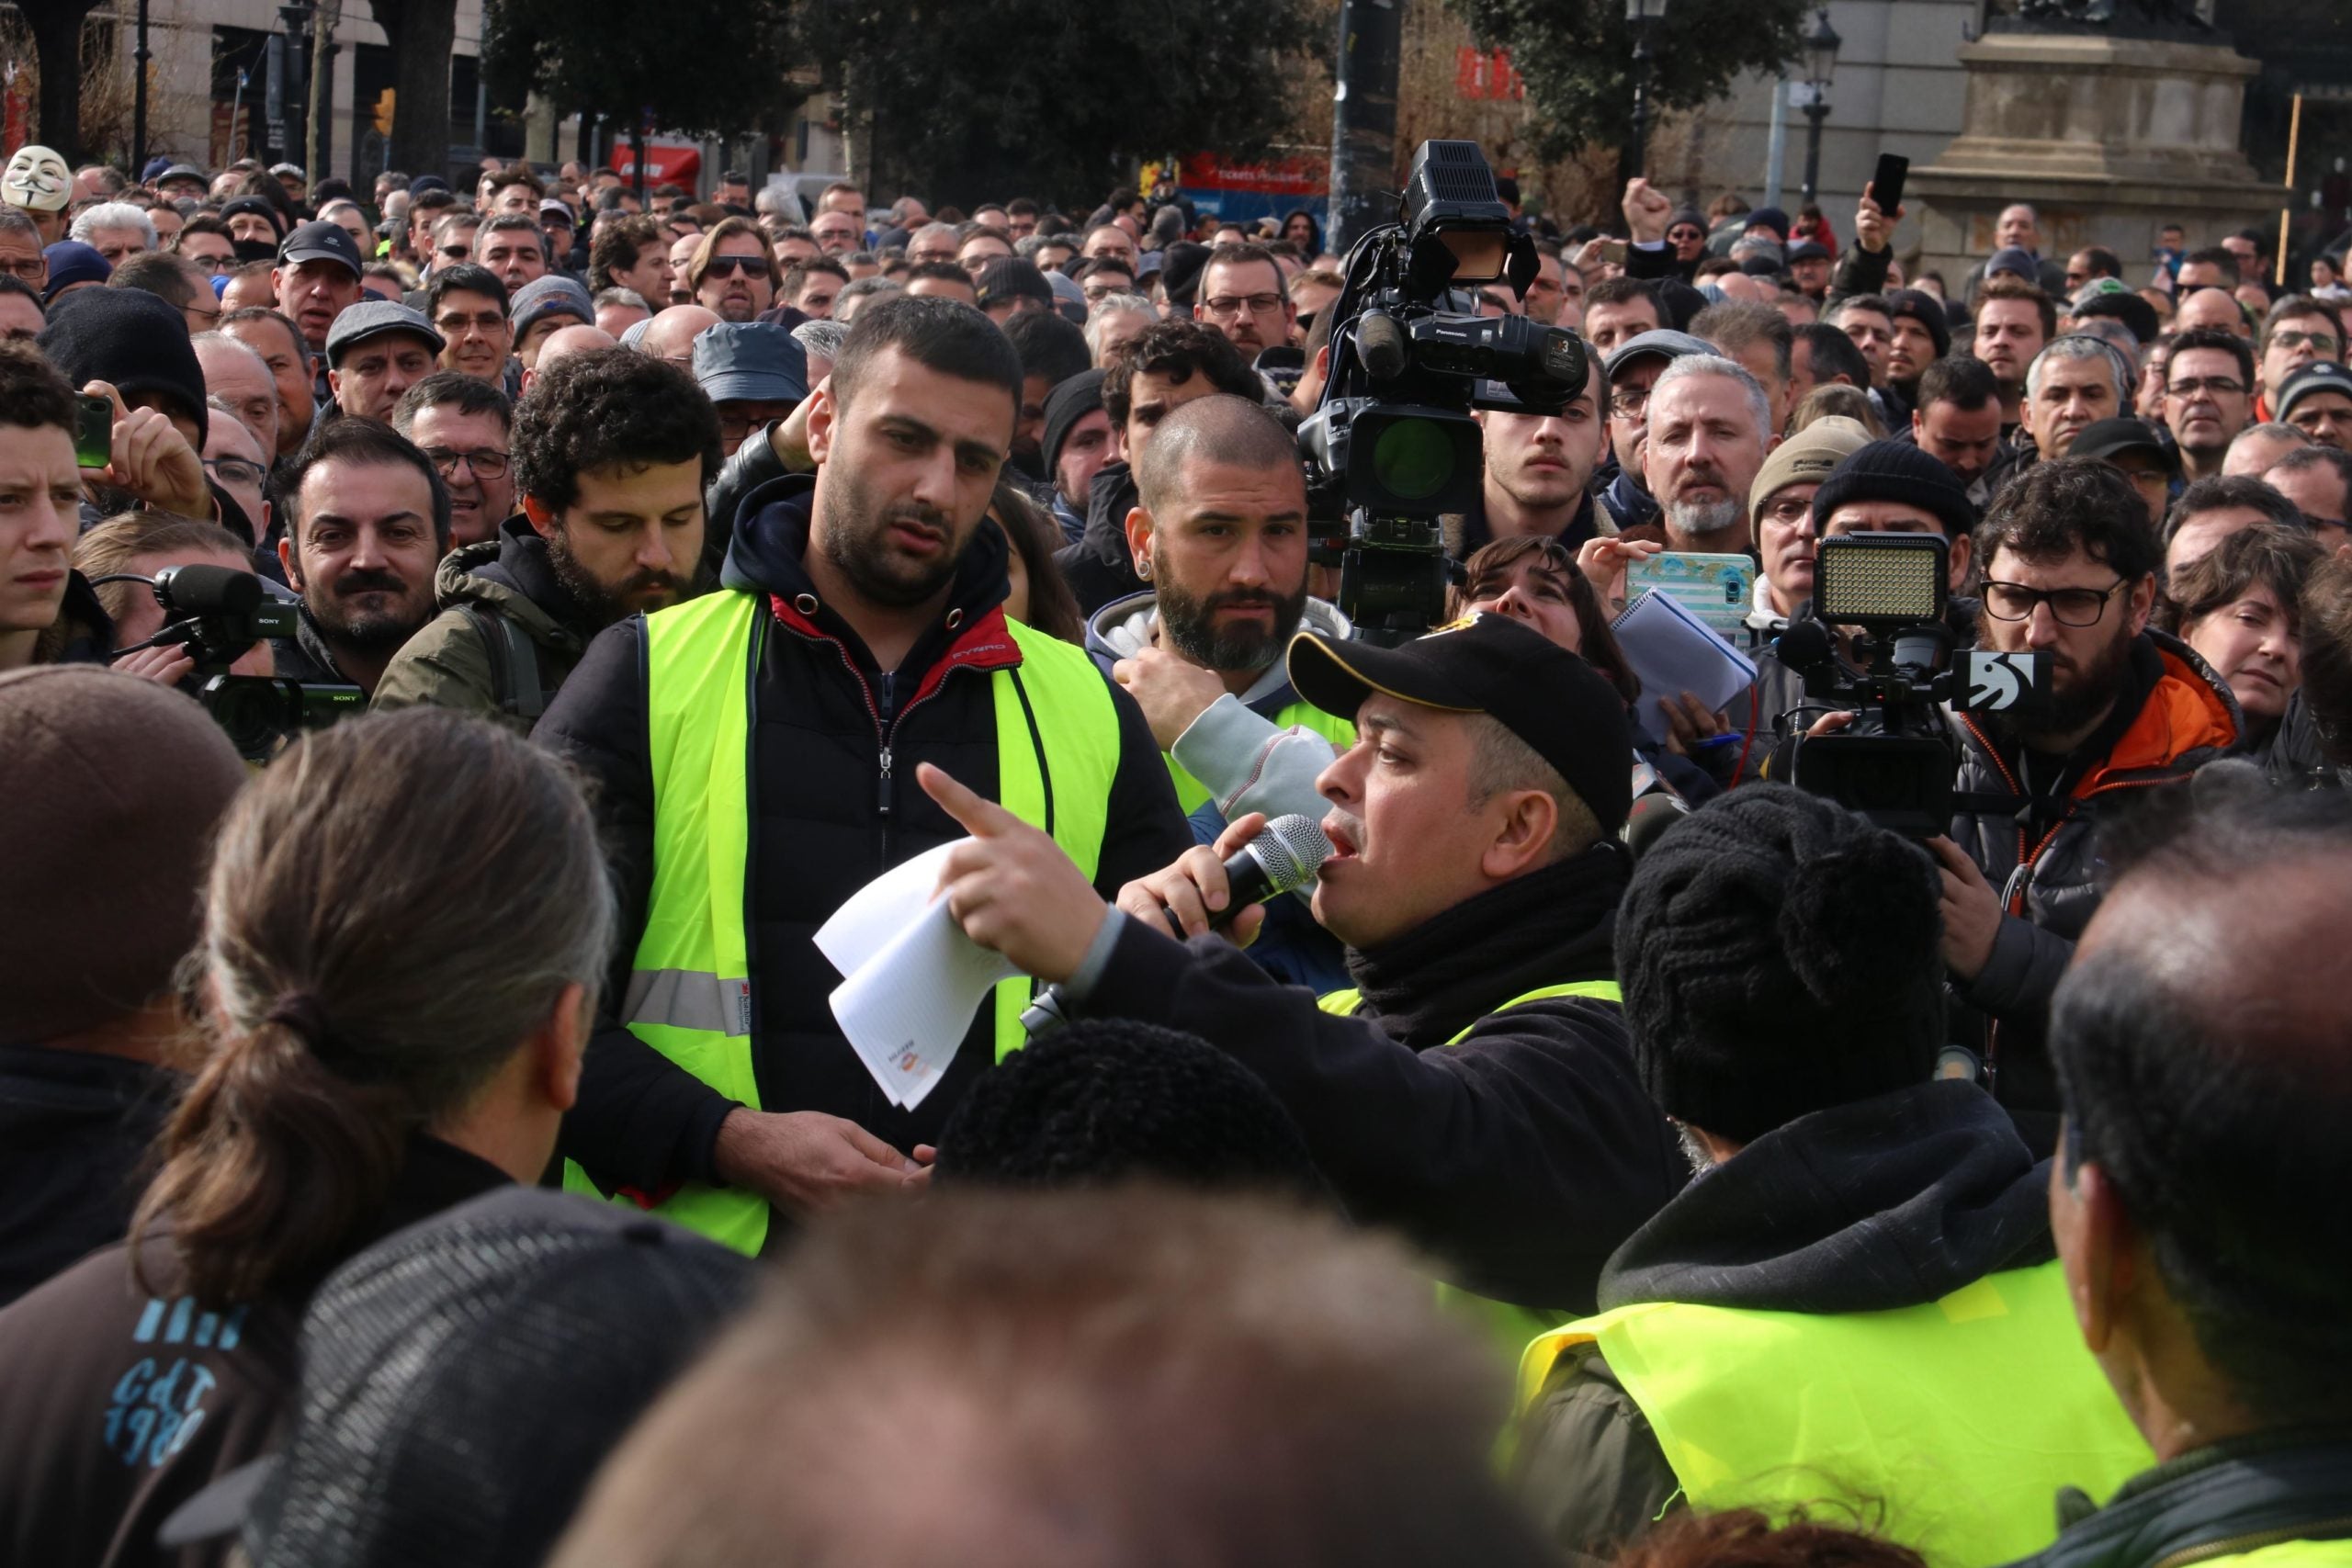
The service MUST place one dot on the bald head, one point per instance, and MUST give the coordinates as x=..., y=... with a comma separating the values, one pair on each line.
x=672, y=333
x=2198, y=1038
x=564, y=343
x=1232, y=431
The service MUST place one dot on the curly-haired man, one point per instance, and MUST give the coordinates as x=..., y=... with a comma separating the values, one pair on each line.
x=610, y=454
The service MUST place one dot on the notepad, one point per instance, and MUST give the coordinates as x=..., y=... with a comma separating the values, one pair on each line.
x=1671, y=651
x=911, y=979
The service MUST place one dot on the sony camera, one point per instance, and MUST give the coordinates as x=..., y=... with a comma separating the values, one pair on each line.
x=1392, y=446
x=1895, y=765
x=215, y=614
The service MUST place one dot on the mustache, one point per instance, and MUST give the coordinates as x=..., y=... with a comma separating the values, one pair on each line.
x=929, y=517
x=365, y=581
x=647, y=577
x=1241, y=599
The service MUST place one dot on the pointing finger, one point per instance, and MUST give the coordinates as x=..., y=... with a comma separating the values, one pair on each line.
x=981, y=818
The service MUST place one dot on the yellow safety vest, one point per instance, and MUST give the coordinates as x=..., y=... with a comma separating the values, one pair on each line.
x=1501, y=1323
x=2286, y=1555
x=690, y=994
x=1948, y=1428
x=1191, y=794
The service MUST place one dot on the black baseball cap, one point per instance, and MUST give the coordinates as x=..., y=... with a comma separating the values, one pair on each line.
x=2113, y=438
x=1547, y=696
x=320, y=241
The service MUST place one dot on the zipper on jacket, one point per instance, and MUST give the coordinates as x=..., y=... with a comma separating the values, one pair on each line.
x=882, y=784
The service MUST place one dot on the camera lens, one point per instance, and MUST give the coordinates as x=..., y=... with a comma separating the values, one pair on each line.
x=1413, y=458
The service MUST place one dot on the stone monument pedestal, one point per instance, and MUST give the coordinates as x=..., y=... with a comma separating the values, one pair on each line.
x=2109, y=138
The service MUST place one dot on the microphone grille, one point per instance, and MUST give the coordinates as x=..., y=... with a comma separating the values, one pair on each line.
x=1292, y=849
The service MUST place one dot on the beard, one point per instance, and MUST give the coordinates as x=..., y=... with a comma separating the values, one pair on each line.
x=1701, y=518
x=1190, y=624
x=366, y=631
x=857, y=542
x=2078, y=694
x=602, y=604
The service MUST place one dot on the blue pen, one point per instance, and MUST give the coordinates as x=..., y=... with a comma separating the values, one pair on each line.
x=1724, y=739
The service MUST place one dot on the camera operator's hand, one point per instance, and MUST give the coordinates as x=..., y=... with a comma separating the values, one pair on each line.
x=153, y=461
x=1972, y=910
x=1647, y=211
x=1603, y=562
x=1171, y=692
x=1011, y=886
x=167, y=665
x=1873, y=227
x=803, y=1160
x=1195, y=889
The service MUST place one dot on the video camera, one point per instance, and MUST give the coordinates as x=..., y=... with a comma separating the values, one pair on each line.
x=1392, y=446
x=216, y=612
x=1898, y=769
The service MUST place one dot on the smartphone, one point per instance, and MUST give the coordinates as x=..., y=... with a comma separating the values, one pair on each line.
x=1718, y=589
x=1612, y=251
x=1886, y=181
x=93, y=430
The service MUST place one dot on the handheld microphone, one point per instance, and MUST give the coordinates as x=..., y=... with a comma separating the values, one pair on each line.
x=1648, y=822
x=1282, y=857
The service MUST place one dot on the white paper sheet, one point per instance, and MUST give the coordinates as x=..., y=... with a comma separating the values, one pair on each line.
x=1671, y=650
x=912, y=979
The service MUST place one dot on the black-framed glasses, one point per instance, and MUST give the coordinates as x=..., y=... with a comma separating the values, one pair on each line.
x=2069, y=606
x=235, y=471
x=486, y=464
x=2206, y=386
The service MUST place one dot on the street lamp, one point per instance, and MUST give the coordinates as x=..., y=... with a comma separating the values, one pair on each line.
x=1820, y=66
x=1641, y=16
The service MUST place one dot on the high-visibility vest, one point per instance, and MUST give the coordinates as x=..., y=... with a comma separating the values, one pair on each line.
x=1507, y=1327
x=1191, y=794
x=690, y=994
x=1948, y=1428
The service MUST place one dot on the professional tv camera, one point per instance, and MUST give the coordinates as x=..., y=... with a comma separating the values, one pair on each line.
x=1895, y=765
x=1392, y=446
x=215, y=614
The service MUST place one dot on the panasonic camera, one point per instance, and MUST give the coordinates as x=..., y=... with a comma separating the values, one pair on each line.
x=1896, y=763
x=1392, y=447
x=215, y=614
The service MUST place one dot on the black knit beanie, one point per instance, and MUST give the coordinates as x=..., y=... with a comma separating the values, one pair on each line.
x=132, y=339
x=1779, y=955
x=1105, y=1100
x=1068, y=403
x=1181, y=266
x=1925, y=309
x=1897, y=470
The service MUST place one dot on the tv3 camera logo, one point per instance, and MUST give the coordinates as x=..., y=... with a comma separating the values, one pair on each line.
x=1998, y=682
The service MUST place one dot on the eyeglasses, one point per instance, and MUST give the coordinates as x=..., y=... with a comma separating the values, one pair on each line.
x=1098, y=292
x=1684, y=236
x=2320, y=342
x=455, y=253
x=1234, y=304
x=485, y=464
x=725, y=266
x=32, y=271
x=2069, y=606
x=2206, y=386
x=234, y=471
x=1629, y=402
x=1787, y=508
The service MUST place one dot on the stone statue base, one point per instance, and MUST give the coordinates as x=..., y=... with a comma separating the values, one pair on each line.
x=2109, y=138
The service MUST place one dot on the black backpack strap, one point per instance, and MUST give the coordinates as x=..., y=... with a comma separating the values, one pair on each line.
x=514, y=665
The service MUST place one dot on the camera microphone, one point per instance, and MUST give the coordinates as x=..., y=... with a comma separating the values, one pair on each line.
x=1282, y=857
x=1648, y=821
x=209, y=591
x=1382, y=347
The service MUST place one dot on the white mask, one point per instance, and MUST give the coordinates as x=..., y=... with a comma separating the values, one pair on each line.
x=37, y=178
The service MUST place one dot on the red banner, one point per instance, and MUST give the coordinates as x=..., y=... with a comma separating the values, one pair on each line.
x=1486, y=74
x=1279, y=176
x=665, y=162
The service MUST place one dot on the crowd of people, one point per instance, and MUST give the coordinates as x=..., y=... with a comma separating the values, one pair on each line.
x=428, y=1136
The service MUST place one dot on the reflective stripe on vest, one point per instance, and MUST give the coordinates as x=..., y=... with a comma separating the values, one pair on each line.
x=690, y=992
x=1506, y=1327
x=1950, y=1427
x=1191, y=794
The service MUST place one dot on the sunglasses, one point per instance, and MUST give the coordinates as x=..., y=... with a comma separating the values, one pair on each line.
x=725, y=266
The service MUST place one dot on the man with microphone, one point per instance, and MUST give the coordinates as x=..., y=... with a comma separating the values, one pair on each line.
x=1475, y=1089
